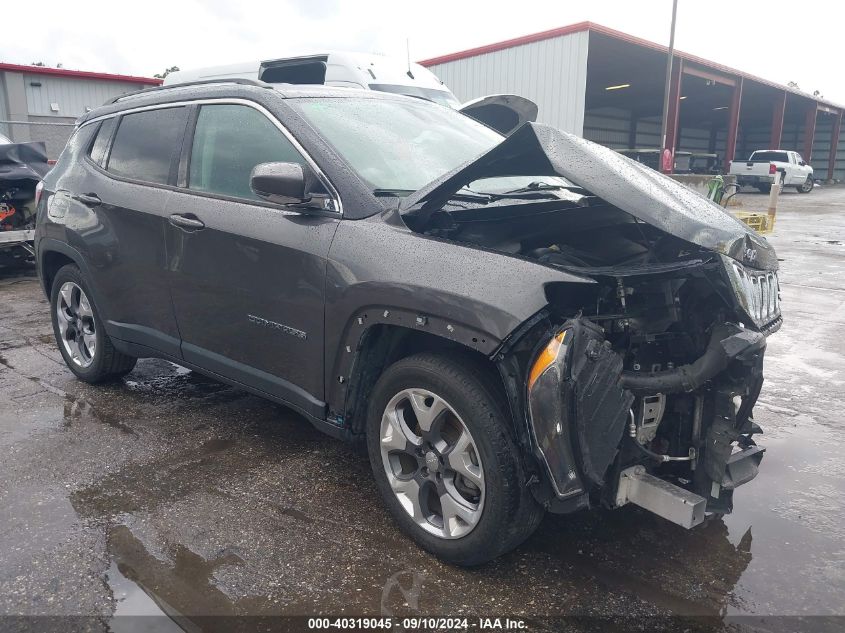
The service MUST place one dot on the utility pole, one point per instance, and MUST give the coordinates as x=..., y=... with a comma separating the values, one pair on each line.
x=667, y=87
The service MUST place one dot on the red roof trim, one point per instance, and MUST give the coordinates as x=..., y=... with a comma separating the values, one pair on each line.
x=79, y=74
x=517, y=41
x=632, y=39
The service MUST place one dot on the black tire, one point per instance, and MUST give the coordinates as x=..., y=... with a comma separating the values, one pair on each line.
x=510, y=513
x=807, y=187
x=106, y=363
x=764, y=188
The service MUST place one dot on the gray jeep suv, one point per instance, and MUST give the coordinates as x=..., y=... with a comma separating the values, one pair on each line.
x=510, y=325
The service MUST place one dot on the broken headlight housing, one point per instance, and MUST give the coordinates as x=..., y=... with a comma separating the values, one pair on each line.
x=757, y=291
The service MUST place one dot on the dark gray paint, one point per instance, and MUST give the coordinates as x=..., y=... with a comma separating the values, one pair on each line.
x=188, y=294
x=379, y=264
x=251, y=260
x=538, y=150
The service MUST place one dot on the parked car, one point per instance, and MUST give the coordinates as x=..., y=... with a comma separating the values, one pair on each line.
x=502, y=112
x=761, y=169
x=22, y=166
x=511, y=325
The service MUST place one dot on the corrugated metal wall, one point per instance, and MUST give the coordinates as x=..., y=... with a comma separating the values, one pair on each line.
x=73, y=96
x=4, y=114
x=608, y=126
x=612, y=126
x=821, y=150
x=552, y=73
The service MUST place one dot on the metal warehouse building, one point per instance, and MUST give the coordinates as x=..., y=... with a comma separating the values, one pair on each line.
x=38, y=103
x=608, y=86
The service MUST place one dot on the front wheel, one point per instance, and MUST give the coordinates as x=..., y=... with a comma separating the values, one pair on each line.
x=444, y=459
x=806, y=186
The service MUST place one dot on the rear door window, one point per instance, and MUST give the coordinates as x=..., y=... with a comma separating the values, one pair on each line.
x=229, y=141
x=147, y=145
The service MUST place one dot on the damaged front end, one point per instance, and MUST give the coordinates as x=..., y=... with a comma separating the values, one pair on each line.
x=637, y=387
x=676, y=441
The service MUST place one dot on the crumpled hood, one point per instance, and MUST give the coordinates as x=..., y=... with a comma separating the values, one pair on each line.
x=539, y=150
x=23, y=161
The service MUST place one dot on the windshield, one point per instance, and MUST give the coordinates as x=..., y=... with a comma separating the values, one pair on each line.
x=400, y=146
x=443, y=97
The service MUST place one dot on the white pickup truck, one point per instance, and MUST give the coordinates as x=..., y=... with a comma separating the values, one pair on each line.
x=765, y=164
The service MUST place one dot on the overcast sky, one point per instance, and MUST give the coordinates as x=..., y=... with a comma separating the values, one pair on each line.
x=780, y=40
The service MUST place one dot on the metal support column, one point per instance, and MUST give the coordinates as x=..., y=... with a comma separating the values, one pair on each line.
x=834, y=145
x=809, y=132
x=778, y=110
x=632, y=130
x=674, y=108
x=733, y=123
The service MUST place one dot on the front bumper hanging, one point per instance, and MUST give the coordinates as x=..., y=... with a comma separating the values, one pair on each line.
x=579, y=408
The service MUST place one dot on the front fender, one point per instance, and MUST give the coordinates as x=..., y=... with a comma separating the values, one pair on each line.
x=380, y=272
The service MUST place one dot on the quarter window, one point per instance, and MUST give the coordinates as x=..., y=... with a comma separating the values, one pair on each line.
x=101, y=143
x=147, y=144
x=228, y=142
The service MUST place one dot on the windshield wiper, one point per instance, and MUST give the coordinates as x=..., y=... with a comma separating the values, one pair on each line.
x=541, y=186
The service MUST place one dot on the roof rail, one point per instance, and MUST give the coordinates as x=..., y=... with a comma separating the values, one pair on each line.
x=198, y=82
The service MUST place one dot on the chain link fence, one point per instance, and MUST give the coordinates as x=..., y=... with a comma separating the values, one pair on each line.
x=54, y=134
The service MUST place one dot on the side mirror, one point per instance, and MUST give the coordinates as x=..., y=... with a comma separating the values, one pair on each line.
x=802, y=163
x=282, y=183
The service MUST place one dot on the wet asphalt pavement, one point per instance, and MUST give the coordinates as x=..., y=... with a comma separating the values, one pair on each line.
x=169, y=493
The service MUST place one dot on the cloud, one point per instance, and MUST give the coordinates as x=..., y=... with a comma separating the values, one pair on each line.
x=146, y=37
x=316, y=9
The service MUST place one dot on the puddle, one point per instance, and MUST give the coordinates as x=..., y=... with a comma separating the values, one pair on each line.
x=210, y=504
x=76, y=409
x=130, y=602
x=276, y=521
x=794, y=509
x=165, y=381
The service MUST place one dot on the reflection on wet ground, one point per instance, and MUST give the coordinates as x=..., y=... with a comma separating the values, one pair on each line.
x=175, y=496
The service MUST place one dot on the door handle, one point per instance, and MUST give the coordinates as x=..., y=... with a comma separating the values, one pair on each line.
x=188, y=221
x=89, y=199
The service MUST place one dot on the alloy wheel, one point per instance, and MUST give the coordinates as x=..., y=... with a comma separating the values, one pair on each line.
x=76, y=324
x=432, y=463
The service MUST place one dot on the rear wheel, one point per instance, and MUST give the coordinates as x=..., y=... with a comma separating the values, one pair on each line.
x=80, y=335
x=444, y=459
x=764, y=188
x=807, y=186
